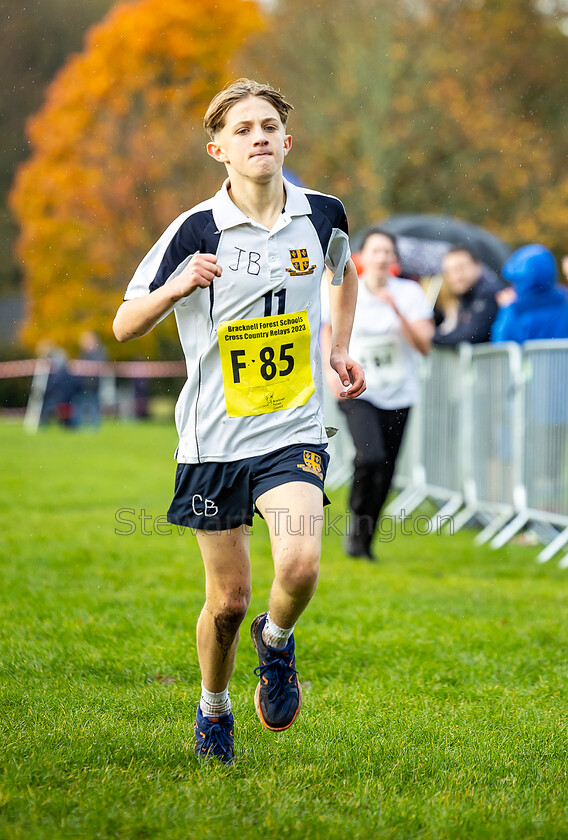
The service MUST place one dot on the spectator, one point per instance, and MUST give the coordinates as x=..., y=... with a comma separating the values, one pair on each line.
x=60, y=390
x=565, y=268
x=475, y=293
x=89, y=401
x=446, y=308
x=141, y=398
x=535, y=307
x=392, y=328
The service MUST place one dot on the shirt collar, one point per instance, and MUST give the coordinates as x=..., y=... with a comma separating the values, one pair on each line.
x=297, y=203
x=228, y=215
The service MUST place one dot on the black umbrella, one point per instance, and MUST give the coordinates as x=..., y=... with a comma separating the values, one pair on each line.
x=423, y=241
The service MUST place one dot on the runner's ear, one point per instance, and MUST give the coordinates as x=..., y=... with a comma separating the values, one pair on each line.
x=216, y=152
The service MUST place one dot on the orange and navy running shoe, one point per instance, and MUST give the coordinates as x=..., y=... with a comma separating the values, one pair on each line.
x=278, y=695
x=214, y=737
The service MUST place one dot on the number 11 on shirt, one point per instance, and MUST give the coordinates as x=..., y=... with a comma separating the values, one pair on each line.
x=281, y=296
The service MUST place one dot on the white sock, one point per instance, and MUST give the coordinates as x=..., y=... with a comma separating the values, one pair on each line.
x=275, y=636
x=214, y=704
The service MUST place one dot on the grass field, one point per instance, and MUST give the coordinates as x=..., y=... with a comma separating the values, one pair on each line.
x=435, y=681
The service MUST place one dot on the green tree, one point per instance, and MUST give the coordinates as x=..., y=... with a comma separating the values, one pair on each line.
x=485, y=94
x=329, y=59
x=442, y=106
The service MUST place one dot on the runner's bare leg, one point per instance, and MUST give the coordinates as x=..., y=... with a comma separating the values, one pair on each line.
x=226, y=559
x=294, y=515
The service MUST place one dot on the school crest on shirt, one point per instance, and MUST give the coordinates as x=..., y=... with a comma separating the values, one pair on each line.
x=312, y=463
x=300, y=262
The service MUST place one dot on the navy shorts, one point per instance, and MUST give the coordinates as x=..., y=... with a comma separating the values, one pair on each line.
x=220, y=496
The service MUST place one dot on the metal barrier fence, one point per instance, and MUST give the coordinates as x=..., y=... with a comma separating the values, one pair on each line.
x=492, y=419
x=487, y=442
x=545, y=465
x=430, y=462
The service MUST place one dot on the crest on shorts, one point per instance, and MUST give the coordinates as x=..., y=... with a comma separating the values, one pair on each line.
x=312, y=463
x=300, y=262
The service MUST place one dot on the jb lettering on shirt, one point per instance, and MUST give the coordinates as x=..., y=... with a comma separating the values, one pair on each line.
x=246, y=259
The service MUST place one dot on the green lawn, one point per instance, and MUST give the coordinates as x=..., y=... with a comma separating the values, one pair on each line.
x=435, y=701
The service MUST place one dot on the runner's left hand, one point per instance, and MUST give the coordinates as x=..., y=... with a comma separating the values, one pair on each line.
x=351, y=375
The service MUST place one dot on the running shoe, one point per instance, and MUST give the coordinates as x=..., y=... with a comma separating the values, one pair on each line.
x=355, y=547
x=278, y=695
x=214, y=737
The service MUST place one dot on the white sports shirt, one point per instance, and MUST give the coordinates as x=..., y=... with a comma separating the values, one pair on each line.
x=390, y=362
x=254, y=378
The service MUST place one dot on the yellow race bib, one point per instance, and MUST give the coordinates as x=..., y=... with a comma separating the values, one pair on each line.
x=266, y=363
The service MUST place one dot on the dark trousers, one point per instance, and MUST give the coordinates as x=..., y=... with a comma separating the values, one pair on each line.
x=377, y=435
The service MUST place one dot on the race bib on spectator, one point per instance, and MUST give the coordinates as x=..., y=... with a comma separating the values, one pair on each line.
x=266, y=363
x=381, y=359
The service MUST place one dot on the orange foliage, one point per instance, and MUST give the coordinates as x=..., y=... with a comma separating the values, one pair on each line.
x=118, y=152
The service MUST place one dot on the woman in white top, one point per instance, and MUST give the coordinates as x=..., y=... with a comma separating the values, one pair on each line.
x=393, y=328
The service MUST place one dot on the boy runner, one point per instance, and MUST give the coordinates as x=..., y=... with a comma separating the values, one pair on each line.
x=242, y=272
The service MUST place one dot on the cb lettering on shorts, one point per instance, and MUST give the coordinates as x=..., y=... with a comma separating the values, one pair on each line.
x=203, y=507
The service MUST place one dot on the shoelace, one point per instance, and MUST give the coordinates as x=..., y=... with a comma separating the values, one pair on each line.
x=217, y=736
x=277, y=672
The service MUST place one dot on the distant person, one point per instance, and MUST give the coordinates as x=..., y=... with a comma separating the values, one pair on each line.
x=535, y=306
x=392, y=329
x=141, y=398
x=89, y=399
x=61, y=388
x=564, y=265
x=446, y=308
x=475, y=293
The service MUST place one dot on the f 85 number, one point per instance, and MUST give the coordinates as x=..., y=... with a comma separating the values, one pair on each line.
x=268, y=367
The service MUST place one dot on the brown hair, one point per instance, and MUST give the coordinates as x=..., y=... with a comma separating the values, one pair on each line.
x=462, y=248
x=379, y=231
x=214, y=119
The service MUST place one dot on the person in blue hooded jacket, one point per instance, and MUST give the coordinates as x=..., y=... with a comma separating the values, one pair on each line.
x=536, y=307
x=539, y=310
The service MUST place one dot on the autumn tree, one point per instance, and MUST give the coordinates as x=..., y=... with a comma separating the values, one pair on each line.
x=117, y=154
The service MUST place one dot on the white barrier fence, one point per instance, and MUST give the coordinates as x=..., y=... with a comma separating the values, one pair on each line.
x=487, y=443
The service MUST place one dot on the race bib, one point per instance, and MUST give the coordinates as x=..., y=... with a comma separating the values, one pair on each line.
x=266, y=363
x=381, y=360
